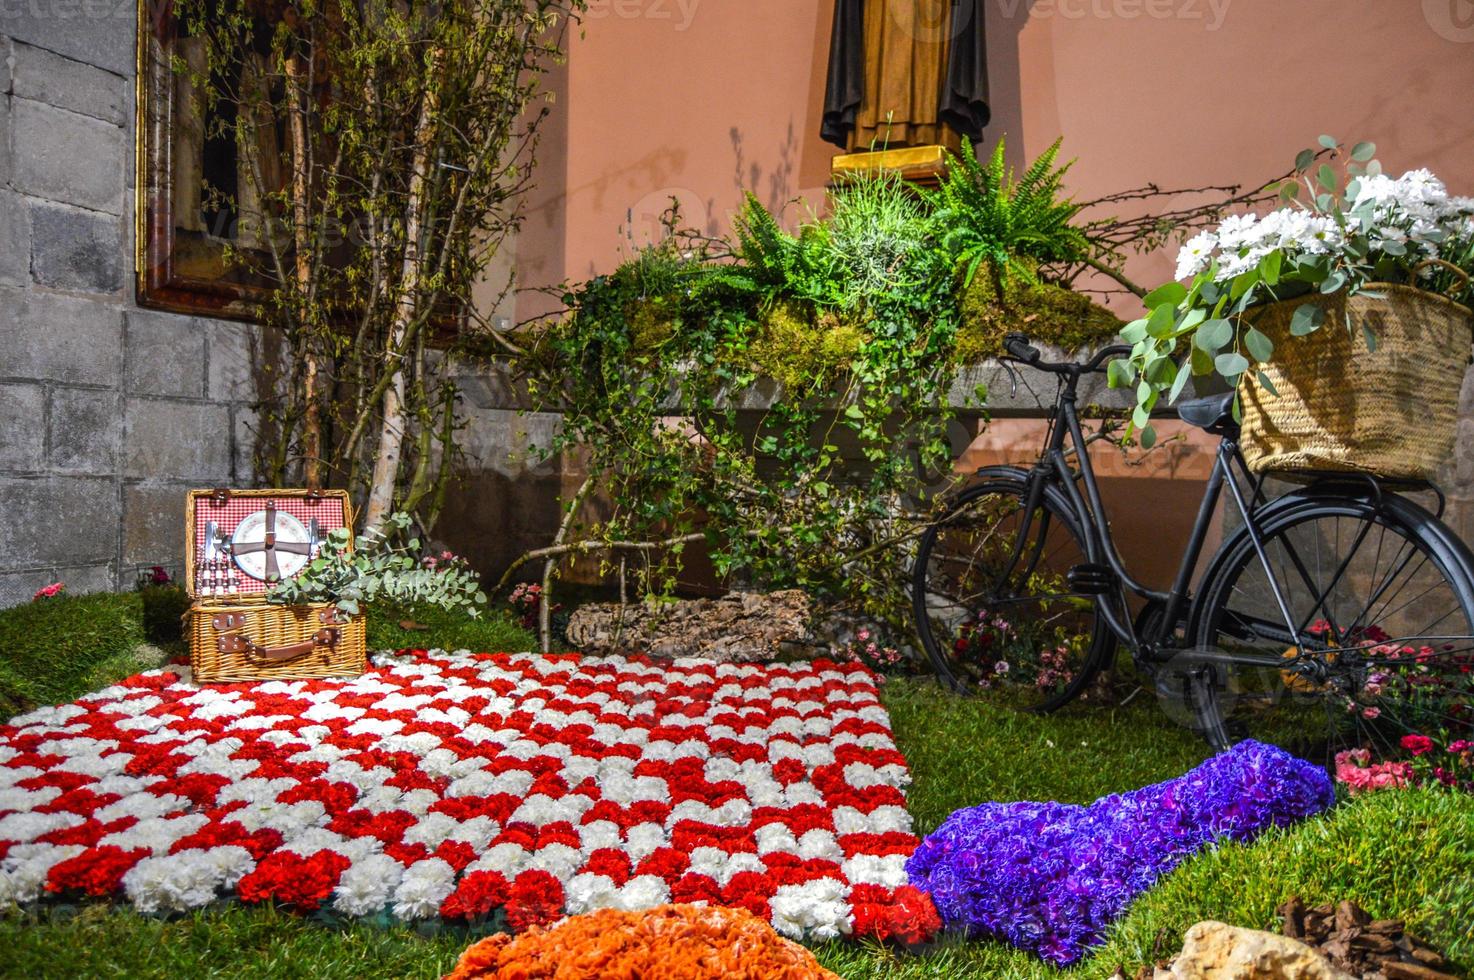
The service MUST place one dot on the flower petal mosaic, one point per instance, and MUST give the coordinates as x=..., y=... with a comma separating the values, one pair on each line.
x=459, y=786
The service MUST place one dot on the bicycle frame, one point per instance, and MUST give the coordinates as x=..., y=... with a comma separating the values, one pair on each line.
x=1054, y=468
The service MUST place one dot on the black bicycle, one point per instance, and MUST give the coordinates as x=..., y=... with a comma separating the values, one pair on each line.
x=1339, y=614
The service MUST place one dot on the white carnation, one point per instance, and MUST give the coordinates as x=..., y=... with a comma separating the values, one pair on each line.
x=367, y=885
x=817, y=909
x=424, y=886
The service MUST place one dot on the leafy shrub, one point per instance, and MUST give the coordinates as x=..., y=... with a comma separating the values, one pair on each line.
x=857, y=315
x=387, y=565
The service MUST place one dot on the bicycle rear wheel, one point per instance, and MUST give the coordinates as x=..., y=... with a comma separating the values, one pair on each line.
x=1380, y=592
x=992, y=605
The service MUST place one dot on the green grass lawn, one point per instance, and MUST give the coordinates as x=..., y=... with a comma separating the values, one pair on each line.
x=1400, y=854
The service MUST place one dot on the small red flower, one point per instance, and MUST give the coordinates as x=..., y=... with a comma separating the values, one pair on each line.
x=292, y=880
x=535, y=899
x=1417, y=744
x=96, y=871
x=906, y=915
x=477, y=895
x=608, y=861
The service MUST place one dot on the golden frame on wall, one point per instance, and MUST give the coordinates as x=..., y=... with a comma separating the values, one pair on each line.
x=181, y=260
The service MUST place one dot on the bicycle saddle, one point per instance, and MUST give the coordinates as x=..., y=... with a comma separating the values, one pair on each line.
x=1214, y=414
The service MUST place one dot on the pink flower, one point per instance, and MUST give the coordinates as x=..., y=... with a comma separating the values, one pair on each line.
x=49, y=591
x=1353, y=771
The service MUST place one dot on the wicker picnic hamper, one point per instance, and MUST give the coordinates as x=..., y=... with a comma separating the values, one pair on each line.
x=1391, y=412
x=236, y=548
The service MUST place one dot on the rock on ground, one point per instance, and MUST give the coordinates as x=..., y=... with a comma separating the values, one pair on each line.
x=1216, y=951
x=737, y=628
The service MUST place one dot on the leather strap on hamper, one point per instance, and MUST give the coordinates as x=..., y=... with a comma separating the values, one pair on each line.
x=236, y=643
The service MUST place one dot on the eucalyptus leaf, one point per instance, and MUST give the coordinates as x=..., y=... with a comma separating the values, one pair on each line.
x=1260, y=347
x=1119, y=374
x=1162, y=323
x=1307, y=318
x=1202, y=361
x=1268, y=385
x=1362, y=152
x=1172, y=293
x=1329, y=142
x=1304, y=159
x=1214, y=335
x=1178, y=383
x=1231, y=364
x=1269, y=267
x=1242, y=283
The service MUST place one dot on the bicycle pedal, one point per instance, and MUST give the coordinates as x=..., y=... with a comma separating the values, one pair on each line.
x=1091, y=579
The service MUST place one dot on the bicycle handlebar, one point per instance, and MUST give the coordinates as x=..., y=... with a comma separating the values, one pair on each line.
x=1021, y=350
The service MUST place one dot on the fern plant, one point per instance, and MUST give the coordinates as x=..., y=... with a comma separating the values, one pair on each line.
x=984, y=213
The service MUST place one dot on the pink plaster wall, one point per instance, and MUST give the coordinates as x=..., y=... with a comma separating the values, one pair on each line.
x=705, y=98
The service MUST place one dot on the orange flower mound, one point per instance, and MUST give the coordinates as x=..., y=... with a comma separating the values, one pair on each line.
x=668, y=942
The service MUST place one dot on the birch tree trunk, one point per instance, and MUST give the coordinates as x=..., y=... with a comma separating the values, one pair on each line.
x=302, y=239
x=406, y=309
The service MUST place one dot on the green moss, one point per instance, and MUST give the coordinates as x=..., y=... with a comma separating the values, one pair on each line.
x=57, y=649
x=492, y=632
x=652, y=321
x=803, y=349
x=1047, y=313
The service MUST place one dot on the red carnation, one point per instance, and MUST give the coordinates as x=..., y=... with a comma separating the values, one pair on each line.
x=535, y=899
x=456, y=853
x=477, y=895
x=97, y=871
x=906, y=915
x=664, y=862
x=1417, y=744
x=292, y=880
x=610, y=862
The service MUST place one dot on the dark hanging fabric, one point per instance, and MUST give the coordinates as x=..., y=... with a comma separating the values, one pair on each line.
x=963, y=101
x=964, y=104
x=845, y=87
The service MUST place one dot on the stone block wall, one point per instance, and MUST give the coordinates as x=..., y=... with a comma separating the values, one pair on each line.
x=108, y=412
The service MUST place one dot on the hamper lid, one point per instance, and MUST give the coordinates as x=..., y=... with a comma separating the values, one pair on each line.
x=238, y=543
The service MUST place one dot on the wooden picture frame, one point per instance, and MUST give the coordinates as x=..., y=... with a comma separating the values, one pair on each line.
x=180, y=266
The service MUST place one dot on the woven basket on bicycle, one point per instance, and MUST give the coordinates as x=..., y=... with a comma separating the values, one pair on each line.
x=1391, y=412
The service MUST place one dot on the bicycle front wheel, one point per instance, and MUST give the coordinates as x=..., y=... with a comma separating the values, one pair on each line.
x=993, y=607
x=1380, y=594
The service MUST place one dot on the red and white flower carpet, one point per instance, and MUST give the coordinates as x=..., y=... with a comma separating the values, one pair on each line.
x=463, y=786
